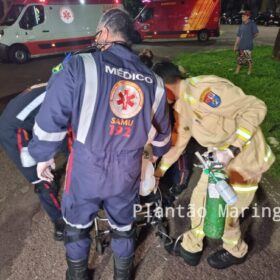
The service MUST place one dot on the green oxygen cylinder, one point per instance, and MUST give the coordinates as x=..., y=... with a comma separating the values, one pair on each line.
x=214, y=222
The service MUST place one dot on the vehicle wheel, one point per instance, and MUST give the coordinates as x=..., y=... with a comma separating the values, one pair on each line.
x=136, y=38
x=203, y=36
x=19, y=54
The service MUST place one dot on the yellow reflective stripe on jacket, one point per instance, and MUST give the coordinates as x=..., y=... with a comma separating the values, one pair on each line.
x=243, y=134
x=194, y=80
x=244, y=188
x=268, y=153
x=164, y=167
x=190, y=99
x=226, y=145
x=223, y=147
x=248, y=143
x=230, y=241
x=198, y=231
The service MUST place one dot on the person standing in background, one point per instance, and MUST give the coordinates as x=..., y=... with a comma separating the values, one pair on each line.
x=246, y=33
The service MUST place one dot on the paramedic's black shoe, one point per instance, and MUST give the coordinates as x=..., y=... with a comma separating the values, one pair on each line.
x=77, y=270
x=190, y=258
x=223, y=259
x=59, y=226
x=123, y=268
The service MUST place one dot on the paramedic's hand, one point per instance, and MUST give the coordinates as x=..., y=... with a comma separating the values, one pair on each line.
x=224, y=156
x=44, y=170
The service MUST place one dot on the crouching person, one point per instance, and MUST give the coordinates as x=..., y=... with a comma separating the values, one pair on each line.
x=218, y=115
x=16, y=123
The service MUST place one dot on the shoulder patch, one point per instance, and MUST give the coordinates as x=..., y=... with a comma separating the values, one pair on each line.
x=57, y=68
x=210, y=98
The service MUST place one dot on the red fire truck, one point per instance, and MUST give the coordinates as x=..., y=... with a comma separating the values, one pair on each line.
x=41, y=27
x=163, y=19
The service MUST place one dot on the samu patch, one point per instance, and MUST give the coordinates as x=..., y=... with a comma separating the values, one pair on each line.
x=126, y=99
x=210, y=98
x=57, y=68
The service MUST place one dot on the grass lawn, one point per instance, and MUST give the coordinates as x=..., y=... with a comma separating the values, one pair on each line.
x=263, y=83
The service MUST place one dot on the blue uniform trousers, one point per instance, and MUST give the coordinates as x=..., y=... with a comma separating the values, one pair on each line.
x=100, y=179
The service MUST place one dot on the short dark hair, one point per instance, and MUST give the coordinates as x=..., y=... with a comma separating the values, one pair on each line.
x=118, y=21
x=168, y=71
x=146, y=56
x=246, y=13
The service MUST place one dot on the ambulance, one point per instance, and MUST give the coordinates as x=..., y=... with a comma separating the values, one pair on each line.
x=171, y=19
x=35, y=28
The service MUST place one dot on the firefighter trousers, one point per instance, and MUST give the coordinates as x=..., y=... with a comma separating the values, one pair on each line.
x=232, y=240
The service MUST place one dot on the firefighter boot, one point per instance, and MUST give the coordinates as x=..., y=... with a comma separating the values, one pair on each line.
x=177, y=250
x=123, y=268
x=223, y=259
x=77, y=270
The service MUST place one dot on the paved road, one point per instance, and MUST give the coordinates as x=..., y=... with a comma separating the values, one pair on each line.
x=14, y=78
x=27, y=250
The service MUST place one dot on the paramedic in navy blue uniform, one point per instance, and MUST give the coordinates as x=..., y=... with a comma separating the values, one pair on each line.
x=115, y=105
x=16, y=123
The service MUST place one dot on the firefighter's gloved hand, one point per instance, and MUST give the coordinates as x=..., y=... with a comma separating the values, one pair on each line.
x=44, y=170
x=157, y=183
x=223, y=157
x=159, y=172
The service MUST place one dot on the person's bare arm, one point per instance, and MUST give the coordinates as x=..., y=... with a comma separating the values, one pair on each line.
x=236, y=44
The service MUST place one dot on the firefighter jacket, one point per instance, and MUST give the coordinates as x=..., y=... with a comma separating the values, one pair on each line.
x=218, y=114
x=113, y=102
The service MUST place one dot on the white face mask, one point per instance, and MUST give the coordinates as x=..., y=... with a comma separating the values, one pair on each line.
x=97, y=36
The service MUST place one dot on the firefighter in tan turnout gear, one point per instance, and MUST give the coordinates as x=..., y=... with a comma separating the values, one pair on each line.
x=218, y=115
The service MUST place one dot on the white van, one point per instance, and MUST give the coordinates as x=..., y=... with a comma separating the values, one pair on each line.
x=34, y=28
